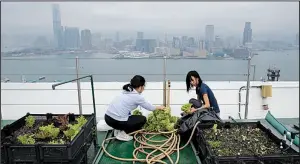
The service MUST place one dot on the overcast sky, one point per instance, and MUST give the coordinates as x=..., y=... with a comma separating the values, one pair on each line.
x=268, y=18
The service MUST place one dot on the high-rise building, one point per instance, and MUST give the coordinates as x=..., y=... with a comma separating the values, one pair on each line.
x=209, y=36
x=57, y=28
x=201, y=45
x=247, y=37
x=146, y=45
x=209, y=33
x=86, y=39
x=218, y=42
x=176, y=43
x=72, y=39
x=140, y=35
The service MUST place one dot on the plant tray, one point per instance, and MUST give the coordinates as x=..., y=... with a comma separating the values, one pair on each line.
x=258, y=145
x=73, y=151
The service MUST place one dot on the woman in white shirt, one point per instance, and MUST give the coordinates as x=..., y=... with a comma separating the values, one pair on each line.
x=118, y=113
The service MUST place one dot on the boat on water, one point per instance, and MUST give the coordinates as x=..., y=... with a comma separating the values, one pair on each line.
x=131, y=55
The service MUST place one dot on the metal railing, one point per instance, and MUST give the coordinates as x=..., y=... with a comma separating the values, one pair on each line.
x=60, y=69
x=164, y=74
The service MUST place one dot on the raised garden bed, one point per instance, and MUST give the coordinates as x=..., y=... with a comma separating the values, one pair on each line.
x=244, y=142
x=48, y=138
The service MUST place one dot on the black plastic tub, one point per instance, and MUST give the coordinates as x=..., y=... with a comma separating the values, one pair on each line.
x=207, y=155
x=73, y=152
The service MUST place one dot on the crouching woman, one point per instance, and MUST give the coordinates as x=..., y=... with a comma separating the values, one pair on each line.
x=206, y=97
x=118, y=115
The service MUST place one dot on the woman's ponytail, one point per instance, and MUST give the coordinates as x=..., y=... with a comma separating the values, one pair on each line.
x=128, y=88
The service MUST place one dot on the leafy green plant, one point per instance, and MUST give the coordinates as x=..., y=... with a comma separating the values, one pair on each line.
x=137, y=112
x=73, y=130
x=29, y=121
x=49, y=131
x=186, y=108
x=60, y=141
x=214, y=128
x=81, y=120
x=214, y=144
x=160, y=120
x=26, y=139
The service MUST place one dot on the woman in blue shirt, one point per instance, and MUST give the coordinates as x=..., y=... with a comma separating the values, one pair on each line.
x=118, y=115
x=204, y=93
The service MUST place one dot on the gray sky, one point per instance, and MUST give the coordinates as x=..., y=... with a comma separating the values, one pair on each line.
x=268, y=18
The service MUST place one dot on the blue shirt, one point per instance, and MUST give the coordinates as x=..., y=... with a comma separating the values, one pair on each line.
x=121, y=107
x=204, y=89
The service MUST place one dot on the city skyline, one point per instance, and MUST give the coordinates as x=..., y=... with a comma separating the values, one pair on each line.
x=190, y=26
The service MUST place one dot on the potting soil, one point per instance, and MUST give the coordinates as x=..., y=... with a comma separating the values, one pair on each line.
x=243, y=141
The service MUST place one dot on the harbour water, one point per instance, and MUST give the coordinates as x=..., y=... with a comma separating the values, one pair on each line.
x=105, y=69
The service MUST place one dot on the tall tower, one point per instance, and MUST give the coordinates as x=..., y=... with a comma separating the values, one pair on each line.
x=57, y=28
x=209, y=36
x=86, y=39
x=247, y=36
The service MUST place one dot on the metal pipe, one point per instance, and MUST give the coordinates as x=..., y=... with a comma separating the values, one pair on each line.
x=65, y=82
x=78, y=86
x=254, y=69
x=248, y=86
x=240, y=101
x=93, y=96
x=240, y=98
x=165, y=81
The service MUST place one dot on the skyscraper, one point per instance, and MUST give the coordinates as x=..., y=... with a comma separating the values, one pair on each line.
x=86, y=39
x=72, y=39
x=247, y=37
x=57, y=28
x=209, y=33
x=209, y=36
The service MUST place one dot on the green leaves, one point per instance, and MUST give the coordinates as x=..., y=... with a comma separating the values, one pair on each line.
x=49, y=131
x=160, y=120
x=29, y=121
x=26, y=139
x=186, y=108
x=73, y=130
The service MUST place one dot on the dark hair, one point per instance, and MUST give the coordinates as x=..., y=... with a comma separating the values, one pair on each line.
x=189, y=78
x=135, y=82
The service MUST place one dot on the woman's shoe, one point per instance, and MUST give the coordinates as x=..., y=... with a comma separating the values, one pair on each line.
x=122, y=136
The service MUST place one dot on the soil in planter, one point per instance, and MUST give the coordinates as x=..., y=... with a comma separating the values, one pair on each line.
x=243, y=141
x=58, y=122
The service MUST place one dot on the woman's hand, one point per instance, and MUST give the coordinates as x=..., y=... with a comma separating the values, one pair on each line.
x=193, y=109
x=160, y=107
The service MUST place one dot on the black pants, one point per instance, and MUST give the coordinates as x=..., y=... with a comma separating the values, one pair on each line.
x=195, y=103
x=134, y=123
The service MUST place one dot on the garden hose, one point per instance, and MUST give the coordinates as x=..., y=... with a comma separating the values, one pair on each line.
x=166, y=147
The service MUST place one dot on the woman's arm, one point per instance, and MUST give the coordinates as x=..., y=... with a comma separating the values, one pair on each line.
x=206, y=101
x=146, y=105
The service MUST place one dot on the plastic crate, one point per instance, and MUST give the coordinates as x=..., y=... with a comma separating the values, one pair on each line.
x=207, y=156
x=73, y=152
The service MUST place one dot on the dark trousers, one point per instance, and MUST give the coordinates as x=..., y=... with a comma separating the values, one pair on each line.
x=195, y=103
x=134, y=123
